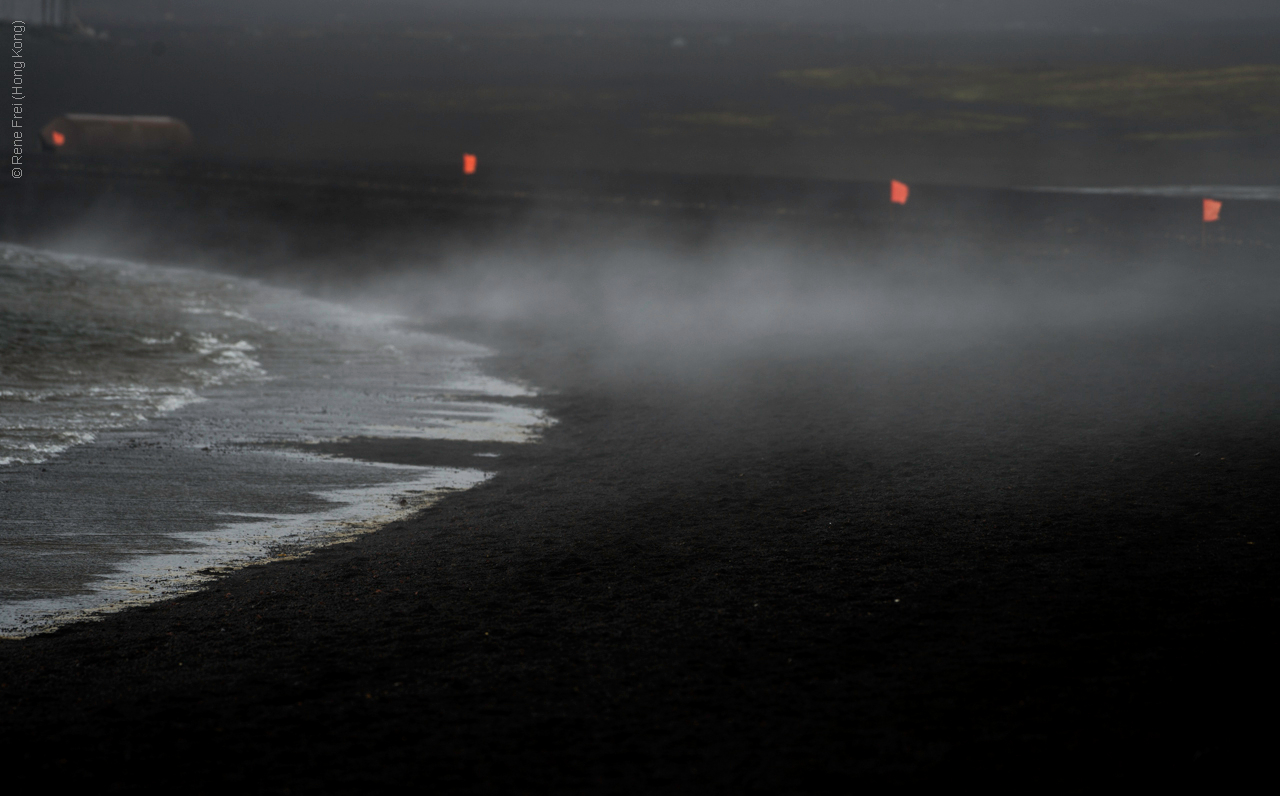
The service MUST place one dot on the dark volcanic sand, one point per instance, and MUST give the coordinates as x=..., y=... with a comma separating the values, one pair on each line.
x=1044, y=563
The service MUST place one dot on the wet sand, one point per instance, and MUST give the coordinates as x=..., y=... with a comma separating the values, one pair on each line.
x=1047, y=563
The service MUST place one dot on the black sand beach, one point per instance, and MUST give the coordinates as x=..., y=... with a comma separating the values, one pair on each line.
x=977, y=492
x=1026, y=557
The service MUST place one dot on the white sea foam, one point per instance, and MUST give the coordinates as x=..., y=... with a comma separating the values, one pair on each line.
x=131, y=378
x=92, y=345
x=224, y=360
x=243, y=540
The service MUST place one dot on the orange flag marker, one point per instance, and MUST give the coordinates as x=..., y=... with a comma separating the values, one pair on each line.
x=898, y=192
x=468, y=164
x=1212, y=209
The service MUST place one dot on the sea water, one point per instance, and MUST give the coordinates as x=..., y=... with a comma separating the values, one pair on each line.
x=147, y=416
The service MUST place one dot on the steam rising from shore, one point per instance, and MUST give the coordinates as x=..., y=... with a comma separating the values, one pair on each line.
x=736, y=299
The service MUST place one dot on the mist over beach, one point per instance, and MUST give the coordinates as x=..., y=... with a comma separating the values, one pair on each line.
x=583, y=397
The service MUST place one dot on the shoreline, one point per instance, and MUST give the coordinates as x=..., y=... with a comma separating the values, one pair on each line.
x=191, y=423
x=798, y=564
x=200, y=559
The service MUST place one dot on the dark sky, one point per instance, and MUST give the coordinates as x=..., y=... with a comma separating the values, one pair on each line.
x=873, y=14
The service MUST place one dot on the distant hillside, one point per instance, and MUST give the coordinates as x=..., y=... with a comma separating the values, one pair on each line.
x=873, y=15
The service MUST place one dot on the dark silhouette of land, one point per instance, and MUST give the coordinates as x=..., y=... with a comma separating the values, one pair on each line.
x=824, y=102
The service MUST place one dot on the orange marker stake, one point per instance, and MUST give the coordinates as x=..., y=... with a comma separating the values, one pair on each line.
x=1212, y=209
x=898, y=192
x=58, y=138
x=468, y=164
